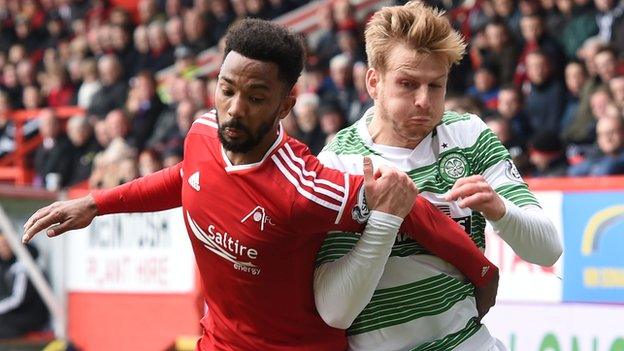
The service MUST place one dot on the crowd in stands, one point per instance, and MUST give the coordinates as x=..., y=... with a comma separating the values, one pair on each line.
x=545, y=75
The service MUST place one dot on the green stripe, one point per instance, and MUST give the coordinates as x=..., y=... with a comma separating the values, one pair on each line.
x=451, y=341
x=451, y=117
x=404, y=303
x=519, y=194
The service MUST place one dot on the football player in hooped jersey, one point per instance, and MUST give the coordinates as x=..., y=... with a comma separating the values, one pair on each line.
x=456, y=162
x=257, y=205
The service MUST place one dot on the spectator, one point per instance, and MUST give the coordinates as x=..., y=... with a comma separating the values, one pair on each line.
x=545, y=102
x=221, y=16
x=362, y=101
x=547, y=155
x=31, y=97
x=21, y=308
x=58, y=87
x=52, y=166
x=90, y=83
x=576, y=25
x=616, y=85
x=516, y=147
x=575, y=78
x=500, y=51
x=149, y=162
x=485, y=87
x=145, y=108
x=510, y=108
x=339, y=87
x=85, y=147
x=306, y=115
x=125, y=51
x=196, y=32
x=331, y=119
x=114, y=89
x=610, y=20
x=175, y=31
x=141, y=45
x=161, y=53
x=609, y=159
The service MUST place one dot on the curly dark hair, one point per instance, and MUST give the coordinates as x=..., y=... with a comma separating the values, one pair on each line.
x=269, y=42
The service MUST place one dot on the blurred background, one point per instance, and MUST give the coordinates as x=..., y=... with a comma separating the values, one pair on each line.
x=95, y=93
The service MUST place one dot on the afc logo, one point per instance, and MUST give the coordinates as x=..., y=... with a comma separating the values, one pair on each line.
x=258, y=214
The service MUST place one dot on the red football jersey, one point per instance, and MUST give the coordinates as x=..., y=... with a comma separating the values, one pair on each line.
x=255, y=231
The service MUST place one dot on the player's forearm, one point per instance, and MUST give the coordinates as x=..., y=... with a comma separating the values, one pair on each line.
x=155, y=192
x=530, y=233
x=444, y=238
x=343, y=288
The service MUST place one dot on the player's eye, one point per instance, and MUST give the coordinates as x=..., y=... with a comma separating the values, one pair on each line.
x=256, y=99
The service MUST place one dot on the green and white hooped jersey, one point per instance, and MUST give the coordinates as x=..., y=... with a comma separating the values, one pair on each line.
x=422, y=302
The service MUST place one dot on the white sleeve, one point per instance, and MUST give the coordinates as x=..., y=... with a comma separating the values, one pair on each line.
x=343, y=288
x=20, y=283
x=530, y=233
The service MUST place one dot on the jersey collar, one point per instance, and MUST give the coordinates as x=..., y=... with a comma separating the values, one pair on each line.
x=229, y=167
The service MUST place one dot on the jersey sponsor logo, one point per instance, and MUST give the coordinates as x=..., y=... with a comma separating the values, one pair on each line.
x=512, y=172
x=360, y=211
x=227, y=247
x=484, y=271
x=453, y=166
x=194, y=181
x=258, y=214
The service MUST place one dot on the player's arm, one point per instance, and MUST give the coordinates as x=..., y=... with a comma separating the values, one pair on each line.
x=154, y=192
x=503, y=198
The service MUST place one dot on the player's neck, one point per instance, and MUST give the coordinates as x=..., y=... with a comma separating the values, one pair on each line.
x=255, y=155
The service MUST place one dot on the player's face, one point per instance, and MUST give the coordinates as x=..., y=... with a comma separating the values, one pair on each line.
x=409, y=95
x=250, y=100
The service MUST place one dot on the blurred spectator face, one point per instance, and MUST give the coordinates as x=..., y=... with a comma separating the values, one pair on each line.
x=9, y=76
x=606, y=65
x=157, y=36
x=254, y=6
x=179, y=89
x=193, y=25
x=599, y=102
x=500, y=128
x=331, y=121
x=101, y=133
x=119, y=38
x=496, y=36
x=531, y=28
x=31, y=98
x=610, y=135
x=347, y=42
x=343, y=12
x=198, y=93
x=219, y=8
x=574, y=78
x=17, y=53
x=484, y=80
x=503, y=8
x=141, y=42
x=79, y=47
x=119, y=17
x=48, y=124
x=79, y=26
x=144, y=86
x=306, y=112
x=22, y=27
x=25, y=73
x=340, y=73
x=538, y=68
x=148, y=163
x=78, y=130
x=616, y=85
x=104, y=37
x=5, y=250
x=509, y=103
x=88, y=70
x=185, y=114
x=175, y=31
x=117, y=124
x=173, y=7
x=604, y=5
x=565, y=6
x=147, y=10
x=529, y=7
x=93, y=41
x=109, y=69
x=359, y=77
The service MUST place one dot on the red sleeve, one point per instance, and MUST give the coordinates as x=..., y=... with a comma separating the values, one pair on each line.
x=446, y=239
x=155, y=192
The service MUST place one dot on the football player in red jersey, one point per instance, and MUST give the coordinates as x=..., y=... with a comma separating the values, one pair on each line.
x=257, y=205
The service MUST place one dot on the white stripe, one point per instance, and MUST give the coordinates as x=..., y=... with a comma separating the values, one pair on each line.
x=19, y=291
x=206, y=122
x=345, y=199
x=305, y=181
x=302, y=191
x=300, y=161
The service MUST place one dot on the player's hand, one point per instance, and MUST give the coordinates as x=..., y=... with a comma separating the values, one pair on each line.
x=474, y=192
x=60, y=217
x=486, y=296
x=388, y=189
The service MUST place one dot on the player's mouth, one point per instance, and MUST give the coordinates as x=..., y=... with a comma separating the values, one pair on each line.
x=234, y=133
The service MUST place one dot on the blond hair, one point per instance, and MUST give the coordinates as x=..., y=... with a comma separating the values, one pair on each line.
x=415, y=25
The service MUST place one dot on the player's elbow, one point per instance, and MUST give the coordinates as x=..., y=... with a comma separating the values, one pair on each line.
x=547, y=255
x=335, y=319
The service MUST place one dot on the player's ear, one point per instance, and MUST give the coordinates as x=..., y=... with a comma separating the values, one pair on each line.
x=372, y=80
x=288, y=102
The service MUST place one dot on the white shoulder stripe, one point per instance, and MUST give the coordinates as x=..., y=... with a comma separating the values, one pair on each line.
x=305, y=181
x=344, y=200
x=302, y=191
x=312, y=173
x=206, y=122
